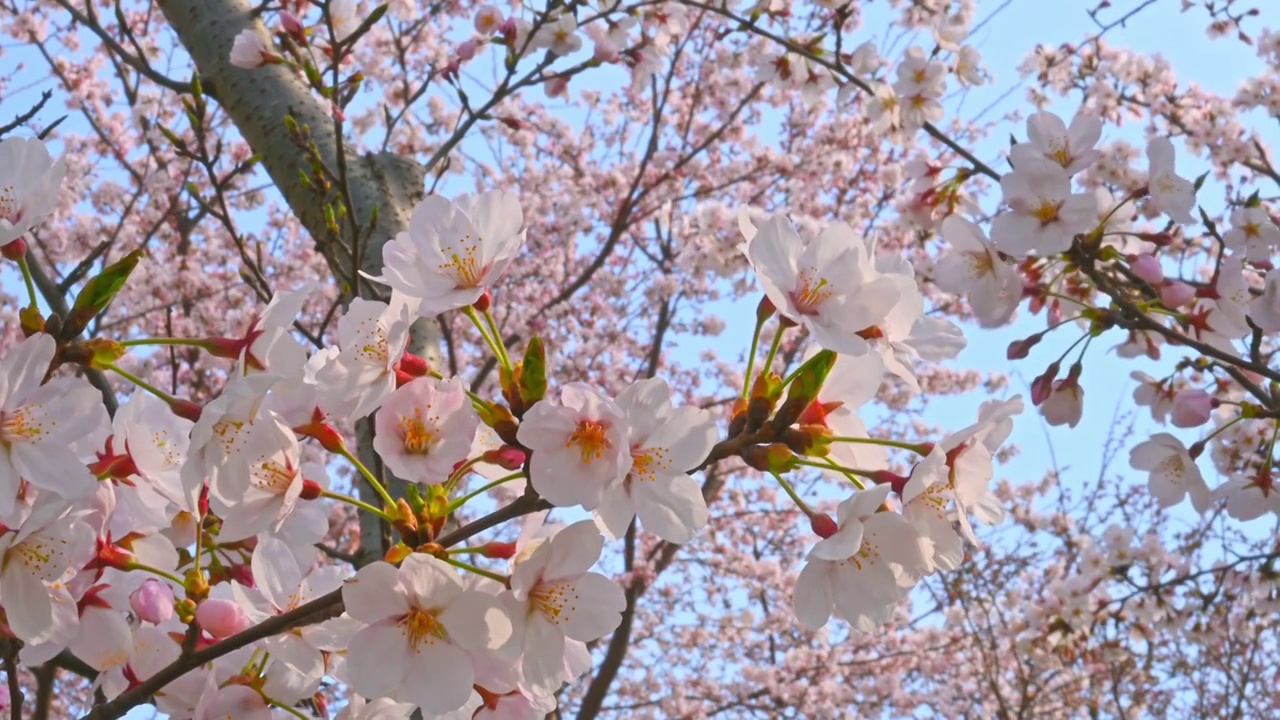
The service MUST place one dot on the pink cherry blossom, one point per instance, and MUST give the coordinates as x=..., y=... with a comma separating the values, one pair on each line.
x=579, y=444
x=419, y=621
x=1051, y=139
x=1173, y=472
x=425, y=428
x=666, y=443
x=1044, y=215
x=1170, y=193
x=972, y=267
x=554, y=597
x=41, y=425
x=454, y=249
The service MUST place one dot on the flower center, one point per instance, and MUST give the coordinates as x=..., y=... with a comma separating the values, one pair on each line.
x=810, y=293
x=422, y=627
x=9, y=210
x=415, y=434
x=645, y=463
x=551, y=599
x=464, y=264
x=18, y=426
x=274, y=476
x=590, y=437
x=1046, y=212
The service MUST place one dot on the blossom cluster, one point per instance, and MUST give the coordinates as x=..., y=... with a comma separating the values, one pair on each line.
x=173, y=523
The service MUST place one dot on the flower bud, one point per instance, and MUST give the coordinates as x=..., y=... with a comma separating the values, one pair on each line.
x=222, y=618
x=1192, y=408
x=1019, y=349
x=153, y=602
x=823, y=526
x=291, y=24
x=1042, y=386
x=1176, y=294
x=466, y=51
x=1147, y=268
x=507, y=457
x=15, y=250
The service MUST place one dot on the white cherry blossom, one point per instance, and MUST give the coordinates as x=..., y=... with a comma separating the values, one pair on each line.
x=419, y=623
x=1044, y=215
x=425, y=428
x=1171, y=194
x=666, y=443
x=972, y=267
x=579, y=445
x=454, y=249
x=1051, y=139
x=29, y=185
x=1173, y=473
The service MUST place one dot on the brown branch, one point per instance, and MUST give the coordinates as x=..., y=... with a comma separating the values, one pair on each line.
x=22, y=119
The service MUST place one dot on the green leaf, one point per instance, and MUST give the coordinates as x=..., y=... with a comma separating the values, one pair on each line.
x=98, y=293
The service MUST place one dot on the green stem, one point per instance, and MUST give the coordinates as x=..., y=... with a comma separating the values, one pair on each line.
x=169, y=399
x=368, y=476
x=497, y=336
x=506, y=581
x=356, y=502
x=917, y=448
x=31, y=285
x=465, y=498
x=773, y=351
x=829, y=464
x=189, y=342
x=461, y=472
x=156, y=571
x=751, y=358
x=804, y=507
x=494, y=347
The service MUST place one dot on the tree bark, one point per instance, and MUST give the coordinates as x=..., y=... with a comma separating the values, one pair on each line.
x=257, y=101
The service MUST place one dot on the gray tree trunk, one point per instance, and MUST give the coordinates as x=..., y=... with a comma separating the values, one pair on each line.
x=257, y=102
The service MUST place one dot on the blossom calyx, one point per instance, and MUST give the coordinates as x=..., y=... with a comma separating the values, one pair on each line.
x=776, y=457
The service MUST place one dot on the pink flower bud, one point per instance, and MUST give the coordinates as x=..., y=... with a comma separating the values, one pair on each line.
x=1019, y=349
x=291, y=23
x=222, y=618
x=1191, y=408
x=467, y=49
x=1043, y=385
x=822, y=524
x=1065, y=403
x=1176, y=294
x=1147, y=268
x=153, y=602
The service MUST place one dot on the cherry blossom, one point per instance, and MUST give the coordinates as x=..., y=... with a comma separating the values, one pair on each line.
x=666, y=443
x=29, y=185
x=1044, y=214
x=1170, y=193
x=973, y=267
x=425, y=428
x=419, y=622
x=41, y=425
x=553, y=598
x=454, y=249
x=580, y=447
x=828, y=284
x=1050, y=139
x=1173, y=472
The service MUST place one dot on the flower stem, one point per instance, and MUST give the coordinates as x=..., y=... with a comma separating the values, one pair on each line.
x=773, y=351
x=26, y=278
x=368, y=476
x=169, y=399
x=190, y=342
x=356, y=502
x=497, y=336
x=494, y=346
x=156, y=571
x=795, y=497
x=917, y=448
x=751, y=358
x=850, y=473
x=465, y=498
x=506, y=581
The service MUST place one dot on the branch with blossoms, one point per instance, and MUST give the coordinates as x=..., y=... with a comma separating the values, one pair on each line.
x=226, y=478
